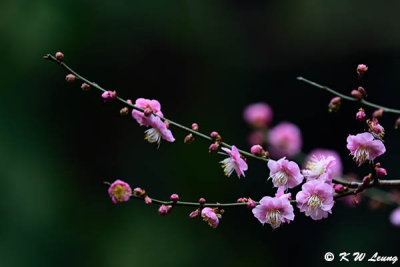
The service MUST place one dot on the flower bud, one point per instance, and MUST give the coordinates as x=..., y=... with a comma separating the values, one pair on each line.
x=257, y=150
x=70, y=78
x=147, y=112
x=240, y=200
x=361, y=70
x=376, y=128
x=339, y=188
x=147, y=200
x=109, y=96
x=174, y=197
x=164, y=210
x=194, y=214
x=188, y=139
x=361, y=115
x=397, y=123
x=334, y=104
x=215, y=136
x=195, y=127
x=85, y=87
x=213, y=147
x=378, y=113
x=355, y=201
x=266, y=154
x=139, y=192
x=60, y=56
x=129, y=101
x=251, y=204
x=380, y=173
x=124, y=111
x=202, y=201
x=356, y=94
x=366, y=180
x=166, y=124
x=362, y=91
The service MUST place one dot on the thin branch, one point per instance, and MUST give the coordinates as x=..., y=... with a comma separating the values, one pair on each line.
x=362, y=101
x=180, y=126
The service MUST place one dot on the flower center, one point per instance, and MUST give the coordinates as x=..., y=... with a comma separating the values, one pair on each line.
x=118, y=192
x=280, y=178
x=361, y=155
x=274, y=218
x=316, y=166
x=153, y=135
x=228, y=165
x=315, y=202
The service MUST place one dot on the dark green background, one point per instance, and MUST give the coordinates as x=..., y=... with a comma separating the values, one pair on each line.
x=204, y=61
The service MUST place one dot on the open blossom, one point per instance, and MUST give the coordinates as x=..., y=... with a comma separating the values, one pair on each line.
x=395, y=217
x=149, y=105
x=209, y=215
x=320, y=167
x=234, y=162
x=285, y=140
x=315, y=199
x=363, y=147
x=336, y=169
x=284, y=173
x=258, y=114
x=158, y=131
x=274, y=210
x=119, y=191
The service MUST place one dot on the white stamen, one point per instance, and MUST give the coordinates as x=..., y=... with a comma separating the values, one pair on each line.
x=314, y=202
x=361, y=155
x=228, y=165
x=280, y=178
x=274, y=218
x=153, y=136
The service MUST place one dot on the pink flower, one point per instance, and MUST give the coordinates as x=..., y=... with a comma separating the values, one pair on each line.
x=149, y=105
x=284, y=174
x=258, y=115
x=364, y=148
x=109, y=96
x=119, y=191
x=159, y=130
x=335, y=169
x=320, y=167
x=285, y=140
x=395, y=217
x=274, y=210
x=210, y=217
x=315, y=199
x=234, y=162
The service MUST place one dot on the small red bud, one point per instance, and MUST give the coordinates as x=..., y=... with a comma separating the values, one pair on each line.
x=147, y=200
x=213, y=147
x=257, y=150
x=174, y=197
x=362, y=91
x=124, y=111
x=60, y=56
x=194, y=214
x=339, y=188
x=366, y=180
x=334, y=104
x=381, y=173
x=378, y=113
x=70, y=78
x=355, y=201
x=195, y=127
x=251, y=204
x=356, y=94
x=397, y=124
x=202, y=201
x=361, y=115
x=166, y=123
x=164, y=210
x=188, y=139
x=361, y=70
x=129, y=101
x=85, y=87
x=266, y=154
x=139, y=192
x=147, y=112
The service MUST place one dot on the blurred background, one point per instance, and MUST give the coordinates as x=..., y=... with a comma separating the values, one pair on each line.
x=205, y=61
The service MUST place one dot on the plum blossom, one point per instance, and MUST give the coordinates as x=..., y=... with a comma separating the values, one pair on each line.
x=395, y=217
x=234, y=162
x=320, y=167
x=209, y=215
x=284, y=173
x=336, y=169
x=119, y=191
x=274, y=210
x=149, y=105
x=315, y=199
x=258, y=115
x=363, y=147
x=285, y=140
x=158, y=131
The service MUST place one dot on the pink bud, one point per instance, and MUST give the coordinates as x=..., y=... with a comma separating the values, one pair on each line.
x=339, y=188
x=240, y=200
x=213, y=147
x=361, y=115
x=355, y=201
x=166, y=124
x=174, y=197
x=129, y=101
x=202, y=201
x=194, y=214
x=139, y=192
x=366, y=180
x=124, y=111
x=251, y=204
x=381, y=173
x=188, y=139
x=147, y=112
x=70, y=78
x=334, y=104
x=356, y=94
x=397, y=124
x=85, y=87
x=164, y=210
x=60, y=56
x=257, y=150
x=109, y=96
x=147, y=200
x=361, y=70
x=362, y=91
x=378, y=113
x=195, y=127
